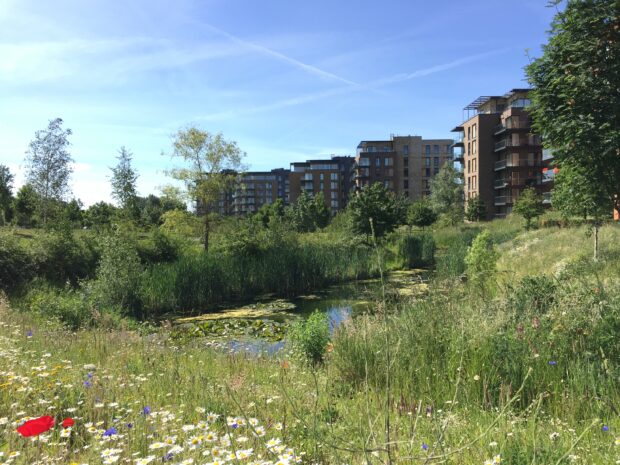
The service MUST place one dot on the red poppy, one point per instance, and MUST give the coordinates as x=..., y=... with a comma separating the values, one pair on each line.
x=68, y=422
x=556, y=170
x=545, y=170
x=36, y=426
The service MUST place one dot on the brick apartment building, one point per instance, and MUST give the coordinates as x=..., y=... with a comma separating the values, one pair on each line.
x=500, y=154
x=404, y=164
x=253, y=190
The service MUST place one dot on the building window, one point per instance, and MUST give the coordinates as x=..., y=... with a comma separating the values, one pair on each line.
x=473, y=131
x=334, y=185
x=406, y=149
x=321, y=176
x=334, y=195
x=448, y=149
x=469, y=166
x=435, y=149
x=469, y=132
x=468, y=148
x=377, y=161
x=405, y=183
x=427, y=149
x=334, y=176
x=406, y=161
x=334, y=204
x=435, y=161
x=468, y=183
x=321, y=186
x=427, y=172
x=473, y=148
x=435, y=170
x=388, y=161
x=427, y=161
x=364, y=162
x=406, y=172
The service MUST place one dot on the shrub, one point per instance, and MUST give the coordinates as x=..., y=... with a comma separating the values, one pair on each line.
x=17, y=266
x=481, y=260
x=310, y=337
x=160, y=248
x=69, y=306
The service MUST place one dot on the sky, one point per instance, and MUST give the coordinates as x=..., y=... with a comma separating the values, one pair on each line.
x=287, y=80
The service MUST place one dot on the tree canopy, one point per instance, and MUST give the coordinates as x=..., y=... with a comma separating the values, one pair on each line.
x=377, y=204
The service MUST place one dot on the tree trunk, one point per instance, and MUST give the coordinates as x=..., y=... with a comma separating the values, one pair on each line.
x=596, y=228
x=206, y=233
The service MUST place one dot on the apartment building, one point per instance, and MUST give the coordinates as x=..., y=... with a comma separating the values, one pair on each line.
x=404, y=164
x=332, y=177
x=499, y=153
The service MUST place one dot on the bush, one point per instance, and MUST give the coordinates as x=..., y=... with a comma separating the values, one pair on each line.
x=310, y=337
x=17, y=266
x=481, y=260
x=69, y=306
x=160, y=248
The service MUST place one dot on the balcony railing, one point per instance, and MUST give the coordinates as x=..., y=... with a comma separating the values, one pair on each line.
x=501, y=145
x=502, y=200
x=499, y=129
x=500, y=165
x=500, y=183
x=509, y=163
x=546, y=198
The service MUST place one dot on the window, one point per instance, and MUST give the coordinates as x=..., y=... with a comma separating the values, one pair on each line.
x=334, y=195
x=388, y=161
x=371, y=149
x=334, y=204
x=405, y=183
x=377, y=161
x=473, y=148
x=334, y=176
x=469, y=132
x=435, y=161
x=473, y=182
x=468, y=148
x=321, y=186
x=448, y=149
x=386, y=149
x=427, y=161
x=427, y=172
x=334, y=185
x=406, y=149
x=406, y=172
x=473, y=131
x=427, y=149
x=435, y=149
x=435, y=170
x=321, y=176
x=364, y=162
x=389, y=172
x=406, y=161
x=468, y=183
x=469, y=166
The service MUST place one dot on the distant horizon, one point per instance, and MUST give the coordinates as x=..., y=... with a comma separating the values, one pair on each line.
x=287, y=82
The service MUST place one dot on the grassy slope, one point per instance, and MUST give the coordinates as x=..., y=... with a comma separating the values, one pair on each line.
x=313, y=412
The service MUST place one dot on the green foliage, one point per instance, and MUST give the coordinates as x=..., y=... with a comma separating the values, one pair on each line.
x=416, y=251
x=446, y=197
x=420, y=214
x=160, y=248
x=451, y=261
x=72, y=213
x=99, y=215
x=476, y=209
x=308, y=213
x=575, y=193
x=529, y=206
x=181, y=223
x=311, y=337
x=69, y=306
x=118, y=276
x=26, y=203
x=17, y=265
x=481, y=260
x=271, y=212
x=123, y=182
x=576, y=103
x=6, y=193
x=378, y=205
x=48, y=166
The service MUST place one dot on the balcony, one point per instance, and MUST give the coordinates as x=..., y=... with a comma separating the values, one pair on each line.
x=499, y=129
x=510, y=163
x=547, y=154
x=501, y=145
x=500, y=183
x=502, y=200
x=546, y=198
x=500, y=165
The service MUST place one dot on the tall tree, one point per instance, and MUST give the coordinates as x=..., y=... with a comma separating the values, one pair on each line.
x=376, y=210
x=309, y=213
x=529, y=206
x=576, y=98
x=476, y=209
x=49, y=165
x=212, y=166
x=6, y=192
x=123, y=182
x=26, y=202
x=447, y=193
x=420, y=214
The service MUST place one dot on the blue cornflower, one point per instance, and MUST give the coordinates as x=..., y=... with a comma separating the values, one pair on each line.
x=424, y=446
x=553, y=363
x=605, y=428
x=29, y=333
x=90, y=374
x=146, y=410
x=168, y=456
x=87, y=384
x=129, y=425
x=110, y=431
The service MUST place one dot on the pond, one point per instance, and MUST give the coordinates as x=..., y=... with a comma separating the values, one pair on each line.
x=261, y=327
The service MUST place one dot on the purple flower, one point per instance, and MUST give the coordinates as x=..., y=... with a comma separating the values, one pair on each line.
x=146, y=410
x=29, y=333
x=424, y=446
x=87, y=384
x=90, y=374
x=129, y=425
x=168, y=456
x=605, y=428
x=110, y=431
x=553, y=363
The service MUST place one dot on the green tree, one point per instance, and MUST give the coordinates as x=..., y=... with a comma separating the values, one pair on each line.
x=26, y=202
x=212, y=164
x=99, y=215
x=577, y=194
x=529, y=205
x=49, y=166
x=476, y=209
x=446, y=197
x=420, y=214
x=481, y=261
x=73, y=212
x=576, y=102
x=123, y=183
x=377, y=205
x=6, y=192
x=309, y=213
x=270, y=212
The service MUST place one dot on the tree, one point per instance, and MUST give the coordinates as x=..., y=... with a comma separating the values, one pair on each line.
x=377, y=205
x=124, y=182
x=529, y=206
x=575, y=193
x=481, y=261
x=447, y=193
x=99, y=215
x=73, y=212
x=476, y=209
x=26, y=202
x=420, y=214
x=6, y=192
x=212, y=168
x=270, y=212
x=576, y=103
x=309, y=213
x=49, y=165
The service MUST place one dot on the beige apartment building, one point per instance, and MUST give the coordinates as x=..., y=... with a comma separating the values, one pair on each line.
x=499, y=153
x=404, y=164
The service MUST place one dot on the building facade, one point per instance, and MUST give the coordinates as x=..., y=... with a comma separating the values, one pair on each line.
x=404, y=164
x=499, y=153
x=253, y=190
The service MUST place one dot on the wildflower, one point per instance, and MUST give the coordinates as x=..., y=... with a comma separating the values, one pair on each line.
x=553, y=363
x=553, y=436
x=29, y=333
x=110, y=432
x=68, y=423
x=476, y=378
x=129, y=425
x=146, y=410
x=157, y=445
x=617, y=442
x=87, y=384
x=424, y=446
x=605, y=428
x=36, y=426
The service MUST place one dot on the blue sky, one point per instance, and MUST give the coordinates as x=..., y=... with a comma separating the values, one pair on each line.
x=288, y=80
